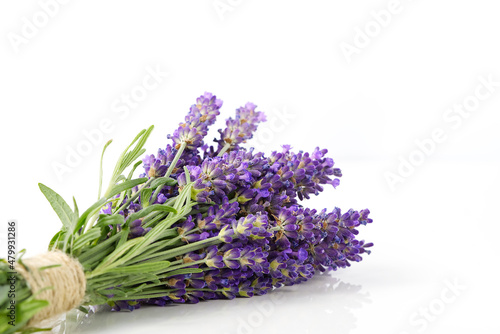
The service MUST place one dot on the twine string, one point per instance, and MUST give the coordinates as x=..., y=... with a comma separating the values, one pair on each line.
x=62, y=282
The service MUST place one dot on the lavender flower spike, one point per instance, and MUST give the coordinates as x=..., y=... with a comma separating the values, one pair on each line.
x=240, y=129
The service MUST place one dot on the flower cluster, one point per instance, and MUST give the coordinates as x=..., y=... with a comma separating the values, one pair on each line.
x=240, y=129
x=190, y=133
x=249, y=231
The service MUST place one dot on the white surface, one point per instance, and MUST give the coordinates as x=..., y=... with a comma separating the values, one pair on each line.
x=439, y=226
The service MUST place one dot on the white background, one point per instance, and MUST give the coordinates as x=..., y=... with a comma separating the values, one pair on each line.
x=437, y=224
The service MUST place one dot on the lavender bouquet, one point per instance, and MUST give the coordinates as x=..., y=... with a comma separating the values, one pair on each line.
x=202, y=222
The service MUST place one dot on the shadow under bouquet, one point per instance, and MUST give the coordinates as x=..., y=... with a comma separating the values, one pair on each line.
x=201, y=222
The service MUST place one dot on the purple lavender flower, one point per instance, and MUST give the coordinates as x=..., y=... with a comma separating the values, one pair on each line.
x=185, y=231
x=226, y=234
x=243, y=227
x=196, y=281
x=155, y=167
x=241, y=128
x=212, y=279
x=176, y=282
x=213, y=259
x=200, y=116
x=136, y=229
x=246, y=257
x=253, y=232
x=231, y=258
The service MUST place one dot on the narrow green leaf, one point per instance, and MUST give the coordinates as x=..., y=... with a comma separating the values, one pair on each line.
x=138, y=150
x=118, y=167
x=90, y=235
x=83, y=309
x=105, y=219
x=124, y=236
x=55, y=240
x=139, y=288
x=60, y=206
x=121, y=178
x=132, y=170
x=171, y=232
x=29, y=308
x=4, y=292
x=132, y=156
x=152, y=267
x=145, y=196
x=148, y=210
x=119, y=251
x=183, y=272
x=100, y=167
x=126, y=185
x=188, y=176
x=89, y=212
x=116, y=292
x=75, y=210
x=163, y=181
x=143, y=277
x=35, y=330
x=98, y=249
x=128, y=157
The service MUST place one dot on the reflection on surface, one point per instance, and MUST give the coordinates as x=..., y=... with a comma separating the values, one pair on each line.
x=322, y=303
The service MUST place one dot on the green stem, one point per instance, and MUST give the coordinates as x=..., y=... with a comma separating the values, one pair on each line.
x=184, y=265
x=134, y=297
x=104, y=282
x=171, y=253
x=224, y=149
x=162, y=245
x=147, y=222
x=133, y=197
x=156, y=216
x=205, y=289
x=155, y=194
x=176, y=158
x=156, y=232
x=92, y=254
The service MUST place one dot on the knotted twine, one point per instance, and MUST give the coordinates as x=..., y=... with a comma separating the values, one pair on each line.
x=62, y=286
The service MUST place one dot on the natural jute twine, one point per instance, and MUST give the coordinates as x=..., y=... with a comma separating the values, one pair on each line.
x=65, y=283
